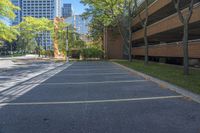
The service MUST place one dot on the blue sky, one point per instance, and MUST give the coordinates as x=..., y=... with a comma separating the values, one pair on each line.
x=77, y=6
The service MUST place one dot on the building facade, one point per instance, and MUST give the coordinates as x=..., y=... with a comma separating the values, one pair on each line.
x=165, y=33
x=39, y=8
x=67, y=10
x=18, y=14
x=79, y=24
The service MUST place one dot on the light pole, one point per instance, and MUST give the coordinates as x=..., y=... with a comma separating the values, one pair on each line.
x=67, y=44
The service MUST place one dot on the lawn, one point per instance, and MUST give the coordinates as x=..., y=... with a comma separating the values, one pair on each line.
x=170, y=73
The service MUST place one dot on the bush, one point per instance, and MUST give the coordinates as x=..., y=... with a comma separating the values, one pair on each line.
x=91, y=53
x=42, y=52
x=49, y=53
x=75, y=53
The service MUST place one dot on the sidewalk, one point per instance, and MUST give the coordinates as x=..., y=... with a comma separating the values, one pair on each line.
x=19, y=69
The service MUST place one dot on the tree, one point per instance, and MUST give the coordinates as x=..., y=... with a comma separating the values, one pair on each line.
x=31, y=28
x=185, y=19
x=7, y=9
x=126, y=23
x=7, y=33
x=96, y=27
x=59, y=35
x=144, y=23
x=114, y=13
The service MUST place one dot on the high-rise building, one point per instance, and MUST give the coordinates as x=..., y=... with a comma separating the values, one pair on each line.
x=67, y=10
x=39, y=8
x=58, y=8
x=79, y=24
x=18, y=18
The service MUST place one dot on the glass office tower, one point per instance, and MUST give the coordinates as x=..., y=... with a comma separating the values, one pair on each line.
x=40, y=8
x=18, y=18
x=67, y=10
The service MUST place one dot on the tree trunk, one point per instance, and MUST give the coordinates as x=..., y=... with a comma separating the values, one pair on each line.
x=105, y=43
x=146, y=45
x=39, y=55
x=26, y=47
x=130, y=41
x=145, y=34
x=185, y=21
x=185, y=49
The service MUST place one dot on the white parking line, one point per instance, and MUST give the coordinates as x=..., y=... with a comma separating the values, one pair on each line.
x=92, y=101
x=82, y=83
x=91, y=74
x=17, y=91
x=108, y=69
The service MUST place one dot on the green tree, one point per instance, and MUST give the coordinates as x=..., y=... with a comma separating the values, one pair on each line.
x=144, y=23
x=30, y=30
x=113, y=13
x=185, y=19
x=66, y=32
x=7, y=9
x=7, y=33
x=96, y=26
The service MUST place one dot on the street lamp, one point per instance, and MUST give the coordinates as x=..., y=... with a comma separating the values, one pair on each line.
x=67, y=44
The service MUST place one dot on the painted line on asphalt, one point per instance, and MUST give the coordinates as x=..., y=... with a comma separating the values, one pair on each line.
x=92, y=101
x=96, y=67
x=20, y=89
x=110, y=69
x=82, y=83
x=92, y=74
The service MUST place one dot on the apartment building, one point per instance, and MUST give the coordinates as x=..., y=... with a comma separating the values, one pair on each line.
x=165, y=32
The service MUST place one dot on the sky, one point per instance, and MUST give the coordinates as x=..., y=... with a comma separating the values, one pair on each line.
x=78, y=8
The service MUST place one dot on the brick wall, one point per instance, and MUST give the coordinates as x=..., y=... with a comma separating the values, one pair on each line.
x=114, y=48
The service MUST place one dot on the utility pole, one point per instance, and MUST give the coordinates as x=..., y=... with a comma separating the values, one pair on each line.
x=67, y=45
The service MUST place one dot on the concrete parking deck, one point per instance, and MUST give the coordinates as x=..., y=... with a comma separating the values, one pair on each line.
x=96, y=97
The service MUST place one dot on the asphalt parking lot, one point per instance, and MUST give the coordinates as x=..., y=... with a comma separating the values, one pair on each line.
x=97, y=97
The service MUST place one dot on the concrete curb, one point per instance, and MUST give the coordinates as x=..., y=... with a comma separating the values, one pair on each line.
x=193, y=96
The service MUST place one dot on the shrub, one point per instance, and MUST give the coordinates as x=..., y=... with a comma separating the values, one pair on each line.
x=49, y=53
x=91, y=53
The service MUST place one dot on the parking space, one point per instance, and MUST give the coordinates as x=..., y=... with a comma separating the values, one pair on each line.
x=98, y=97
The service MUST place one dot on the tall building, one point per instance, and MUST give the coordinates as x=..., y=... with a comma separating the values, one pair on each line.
x=67, y=10
x=165, y=33
x=58, y=8
x=79, y=24
x=39, y=8
x=18, y=14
